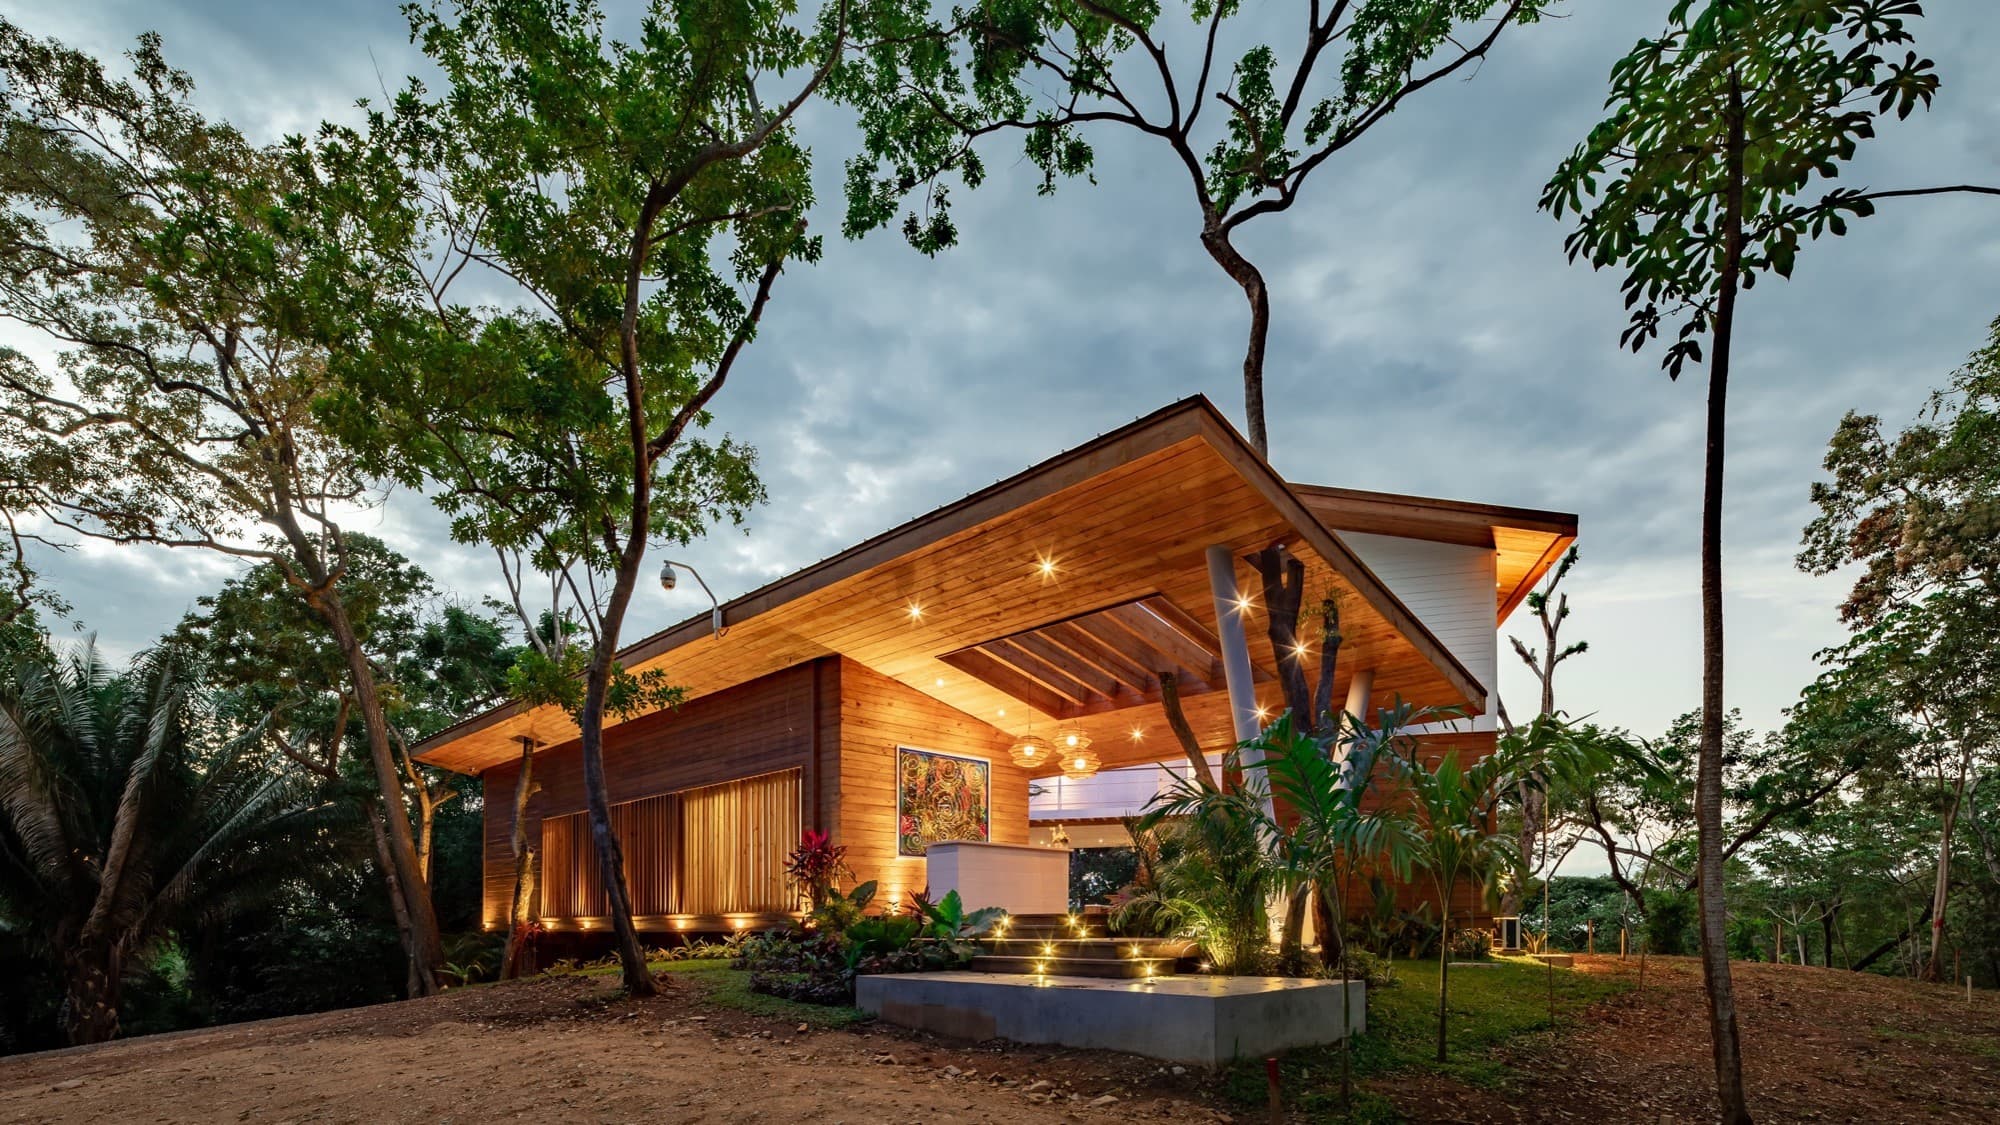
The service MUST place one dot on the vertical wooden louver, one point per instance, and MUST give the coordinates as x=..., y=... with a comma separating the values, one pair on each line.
x=719, y=849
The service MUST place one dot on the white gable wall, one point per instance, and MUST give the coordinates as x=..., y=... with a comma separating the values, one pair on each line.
x=1451, y=590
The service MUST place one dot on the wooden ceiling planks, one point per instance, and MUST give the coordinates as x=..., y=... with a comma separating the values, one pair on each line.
x=1123, y=518
x=1075, y=658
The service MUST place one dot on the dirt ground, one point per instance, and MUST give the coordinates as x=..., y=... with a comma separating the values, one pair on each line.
x=1822, y=1046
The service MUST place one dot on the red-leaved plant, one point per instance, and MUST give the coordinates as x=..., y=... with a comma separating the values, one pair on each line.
x=816, y=867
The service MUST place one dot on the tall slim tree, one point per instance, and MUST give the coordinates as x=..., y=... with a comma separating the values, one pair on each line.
x=1699, y=183
x=162, y=254
x=1056, y=73
x=1551, y=609
x=641, y=199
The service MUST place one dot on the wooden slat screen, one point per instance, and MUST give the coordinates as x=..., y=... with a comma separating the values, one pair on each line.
x=571, y=887
x=719, y=849
x=734, y=839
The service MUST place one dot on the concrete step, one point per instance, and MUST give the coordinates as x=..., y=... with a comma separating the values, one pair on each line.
x=1056, y=927
x=1130, y=968
x=1094, y=949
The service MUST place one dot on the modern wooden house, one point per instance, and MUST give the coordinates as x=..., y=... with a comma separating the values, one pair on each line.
x=912, y=689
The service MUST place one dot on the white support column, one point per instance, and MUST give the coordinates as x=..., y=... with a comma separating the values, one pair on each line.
x=1235, y=646
x=1358, y=690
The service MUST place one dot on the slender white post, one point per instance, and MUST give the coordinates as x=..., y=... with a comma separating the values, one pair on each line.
x=1358, y=690
x=1235, y=646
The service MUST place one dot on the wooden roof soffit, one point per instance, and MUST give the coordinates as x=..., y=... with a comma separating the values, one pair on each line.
x=1105, y=660
x=1344, y=561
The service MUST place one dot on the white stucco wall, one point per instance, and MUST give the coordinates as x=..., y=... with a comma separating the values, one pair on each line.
x=1451, y=590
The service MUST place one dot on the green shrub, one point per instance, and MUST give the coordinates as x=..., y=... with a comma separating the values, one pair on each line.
x=1670, y=922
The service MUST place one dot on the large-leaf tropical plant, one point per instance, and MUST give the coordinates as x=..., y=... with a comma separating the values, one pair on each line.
x=1332, y=837
x=1214, y=875
x=1454, y=806
x=125, y=813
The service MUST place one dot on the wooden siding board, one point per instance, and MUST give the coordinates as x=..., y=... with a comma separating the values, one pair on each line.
x=877, y=715
x=760, y=727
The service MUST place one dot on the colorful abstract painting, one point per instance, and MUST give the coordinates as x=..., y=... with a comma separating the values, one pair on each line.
x=939, y=797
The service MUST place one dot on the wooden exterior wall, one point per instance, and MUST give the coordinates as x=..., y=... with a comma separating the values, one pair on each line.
x=779, y=722
x=878, y=714
x=835, y=721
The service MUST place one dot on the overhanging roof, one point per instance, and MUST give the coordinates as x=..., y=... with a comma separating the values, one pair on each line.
x=1125, y=517
x=1526, y=542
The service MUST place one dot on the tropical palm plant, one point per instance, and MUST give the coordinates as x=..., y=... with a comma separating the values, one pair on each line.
x=125, y=812
x=1214, y=873
x=1454, y=809
x=1331, y=839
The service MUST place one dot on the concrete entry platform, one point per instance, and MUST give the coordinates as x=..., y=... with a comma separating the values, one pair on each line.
x=1206, y=1020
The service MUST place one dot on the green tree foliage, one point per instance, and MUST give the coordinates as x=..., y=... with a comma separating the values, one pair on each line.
x=1333, y=842
x=1698, y=182
x=1921, y=513
x=169, y=260
x=639, y=201
x=1212, y=878
x=128, y=808
x=434, y=663
x=930, y=85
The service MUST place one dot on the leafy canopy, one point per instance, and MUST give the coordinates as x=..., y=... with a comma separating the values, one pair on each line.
x=1919, y=510
x=1802, y=81
x=930, y=86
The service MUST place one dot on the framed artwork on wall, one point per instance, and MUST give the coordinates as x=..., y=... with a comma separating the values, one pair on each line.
x=940, y=797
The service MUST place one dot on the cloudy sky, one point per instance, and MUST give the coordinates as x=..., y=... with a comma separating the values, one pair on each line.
x=1428, y=338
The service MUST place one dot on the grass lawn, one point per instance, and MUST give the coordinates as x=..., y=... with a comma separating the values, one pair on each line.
x=1491, y=1004
x=730, y=988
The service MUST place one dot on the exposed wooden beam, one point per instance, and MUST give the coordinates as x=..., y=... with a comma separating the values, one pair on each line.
x=1004, y=678
x=1111, y=633
x=1185, y=622
x=1074, y=637
x=1204, y=662
x=1071, y=665
x=1028, y=663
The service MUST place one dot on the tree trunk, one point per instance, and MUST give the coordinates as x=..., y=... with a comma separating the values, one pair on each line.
x=1246, y=275
x=520, y=903
x=413, y=980
x=92, y=981
x=322, y=594
x=637, y=978
x=1941, y=891
x=1292, y=938
x=1170, y=705
x=1327, y=921
x=426, y=821
x=427, y=944
x=1444, y=973
x=1720, y=988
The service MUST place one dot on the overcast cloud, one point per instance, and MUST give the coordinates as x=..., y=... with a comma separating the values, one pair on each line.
x=1429, y=338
